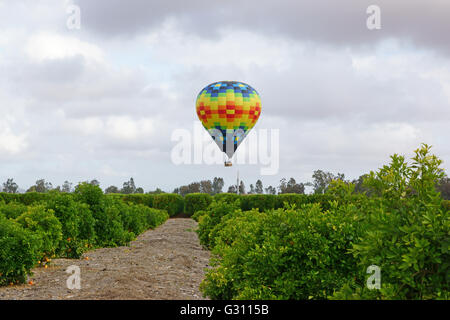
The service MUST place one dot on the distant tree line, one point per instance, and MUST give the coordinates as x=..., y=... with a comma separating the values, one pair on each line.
x=320, y=183
x=205, y=186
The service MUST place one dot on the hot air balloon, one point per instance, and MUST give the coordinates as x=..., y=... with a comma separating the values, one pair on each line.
x=228, y=110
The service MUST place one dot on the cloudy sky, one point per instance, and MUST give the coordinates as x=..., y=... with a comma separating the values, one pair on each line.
x=103, y=101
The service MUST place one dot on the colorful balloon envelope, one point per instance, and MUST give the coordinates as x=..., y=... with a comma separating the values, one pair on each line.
x=228, y=110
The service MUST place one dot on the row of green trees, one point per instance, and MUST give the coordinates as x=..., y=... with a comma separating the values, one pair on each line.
x=42, y=186
x=320, y=183
x=36, y=227
x=205, y=186
x=326, y=246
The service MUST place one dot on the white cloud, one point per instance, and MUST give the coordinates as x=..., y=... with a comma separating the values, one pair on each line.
x=87, y=126
x=79, y=105
x=11, y=143
x=46, y=45
x=123, y=128
x=126, y=128
x=239, y=48
x=109, y=171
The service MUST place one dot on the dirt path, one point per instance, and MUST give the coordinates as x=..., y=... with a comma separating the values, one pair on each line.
x=165, y=263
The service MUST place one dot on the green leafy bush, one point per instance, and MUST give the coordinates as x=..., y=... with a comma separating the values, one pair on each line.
x=8, y=197
x=110, y=222
x=91, y=195
x=290, y=199
x=265, y=202
x=408, y=233
x=12, y=210
x=172, y=203
x=120, y=223
x=19, y=251
x=138, y=218
x=282, y=254
x=109, y=225
x=324, y=200
x=78, y=223
x=145, y=199
x=446, y=205
x=262, y=202
x=230, y=197
x=207, y=222
x=66, y=225
x=45, y=226
x=133, y=217
x=155, y=217
x=194, y=202
x=28, y=198
x=196, y=216
x=320, y=246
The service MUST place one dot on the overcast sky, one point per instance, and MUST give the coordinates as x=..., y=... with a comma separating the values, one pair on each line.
x=101, y=102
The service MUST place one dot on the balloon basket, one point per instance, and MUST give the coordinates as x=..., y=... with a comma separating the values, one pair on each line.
x=228, y=164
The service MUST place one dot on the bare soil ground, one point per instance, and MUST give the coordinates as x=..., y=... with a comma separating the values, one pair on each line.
x=166, y=263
